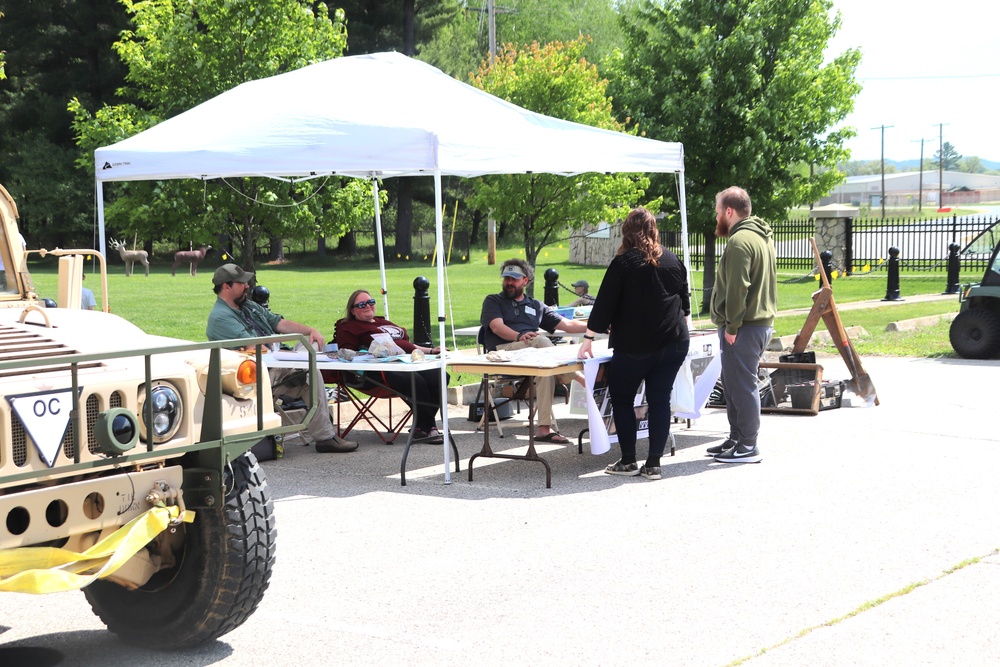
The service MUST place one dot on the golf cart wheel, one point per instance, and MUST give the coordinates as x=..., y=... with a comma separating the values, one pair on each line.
x=975, y=333
x=222, y=571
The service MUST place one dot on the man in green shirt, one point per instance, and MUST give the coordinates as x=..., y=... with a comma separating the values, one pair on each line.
x=234, y=316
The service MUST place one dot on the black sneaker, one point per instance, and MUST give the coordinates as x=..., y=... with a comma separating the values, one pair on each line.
x=740, y=454
x=718, y=449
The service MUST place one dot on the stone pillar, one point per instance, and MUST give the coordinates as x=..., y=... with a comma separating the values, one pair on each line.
x=831, y=232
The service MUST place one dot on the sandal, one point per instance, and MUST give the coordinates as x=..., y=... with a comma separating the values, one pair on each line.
x=434, y=437
x=553, y=437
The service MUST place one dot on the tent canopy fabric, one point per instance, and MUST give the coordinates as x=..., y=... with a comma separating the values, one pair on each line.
x=382, y=115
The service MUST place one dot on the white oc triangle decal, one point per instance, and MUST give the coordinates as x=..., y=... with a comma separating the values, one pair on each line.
x=45, y=417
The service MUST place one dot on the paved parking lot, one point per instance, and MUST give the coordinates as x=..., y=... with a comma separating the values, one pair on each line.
x=865, y=537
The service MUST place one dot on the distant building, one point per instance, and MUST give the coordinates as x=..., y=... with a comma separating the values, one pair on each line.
x=903, y=189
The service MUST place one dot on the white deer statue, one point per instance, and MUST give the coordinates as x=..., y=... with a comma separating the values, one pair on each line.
x=130, y=257
x=190, y=256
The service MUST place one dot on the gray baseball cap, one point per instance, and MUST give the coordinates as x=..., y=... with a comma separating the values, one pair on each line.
x=512, y=271
x=581, y=283
x=230, y=273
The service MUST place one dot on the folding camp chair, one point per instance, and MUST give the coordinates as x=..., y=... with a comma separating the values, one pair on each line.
x=363, y=392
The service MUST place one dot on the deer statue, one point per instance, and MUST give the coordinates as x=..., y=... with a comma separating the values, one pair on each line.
x=130, y=257
x=190, y=256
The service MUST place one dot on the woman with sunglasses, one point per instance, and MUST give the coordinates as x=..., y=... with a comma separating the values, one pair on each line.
x=355, y=332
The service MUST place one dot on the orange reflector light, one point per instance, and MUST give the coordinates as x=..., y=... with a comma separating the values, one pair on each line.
x=247, y=372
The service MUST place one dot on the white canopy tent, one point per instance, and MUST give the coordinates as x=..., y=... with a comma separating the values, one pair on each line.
x=334, y=118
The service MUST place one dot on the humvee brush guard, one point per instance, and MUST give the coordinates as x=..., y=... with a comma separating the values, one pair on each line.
x=124, y=462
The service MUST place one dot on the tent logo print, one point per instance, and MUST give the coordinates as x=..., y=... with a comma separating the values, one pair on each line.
x=107, y=165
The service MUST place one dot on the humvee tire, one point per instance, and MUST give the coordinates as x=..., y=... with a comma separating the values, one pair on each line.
x=220, y=577
x=975, y=333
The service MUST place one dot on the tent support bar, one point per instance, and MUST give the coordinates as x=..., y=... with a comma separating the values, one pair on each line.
x=439, y=240
x=381, y=249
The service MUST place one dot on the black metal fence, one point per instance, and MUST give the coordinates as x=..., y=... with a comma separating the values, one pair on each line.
x=923, y=244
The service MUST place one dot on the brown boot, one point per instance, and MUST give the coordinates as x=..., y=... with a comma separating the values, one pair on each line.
x=335, y=445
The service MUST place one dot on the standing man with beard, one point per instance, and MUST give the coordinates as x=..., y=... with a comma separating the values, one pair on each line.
x=744, y=303
x=234, y=316
x=511, y=321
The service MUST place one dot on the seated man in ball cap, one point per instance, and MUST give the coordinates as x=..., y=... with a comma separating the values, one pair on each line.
x=235, y=316
x=511, y=321
x=583, y=297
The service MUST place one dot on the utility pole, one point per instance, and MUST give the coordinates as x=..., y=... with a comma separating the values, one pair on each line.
x=941, y=164
x=920, y=196
x=883, y=128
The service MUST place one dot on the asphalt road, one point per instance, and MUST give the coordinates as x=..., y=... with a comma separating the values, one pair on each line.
x=867, y=536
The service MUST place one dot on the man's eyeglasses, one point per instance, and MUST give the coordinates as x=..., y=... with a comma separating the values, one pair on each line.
x=364, y=304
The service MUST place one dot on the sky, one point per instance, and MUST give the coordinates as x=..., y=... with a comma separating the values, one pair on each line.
x=923, y=64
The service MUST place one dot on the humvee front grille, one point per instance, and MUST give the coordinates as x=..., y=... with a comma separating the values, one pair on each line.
x=18, y=344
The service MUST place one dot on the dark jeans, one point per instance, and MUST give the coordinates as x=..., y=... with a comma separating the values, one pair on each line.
x=658, y=369
x=428, y=394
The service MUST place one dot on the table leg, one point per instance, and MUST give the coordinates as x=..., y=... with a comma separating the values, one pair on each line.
x=532, y=455
x=413, y=426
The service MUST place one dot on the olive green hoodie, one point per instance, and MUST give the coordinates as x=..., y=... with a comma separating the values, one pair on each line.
x=746, y=284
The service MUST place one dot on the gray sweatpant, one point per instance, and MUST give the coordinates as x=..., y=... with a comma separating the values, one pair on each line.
x=739, y=378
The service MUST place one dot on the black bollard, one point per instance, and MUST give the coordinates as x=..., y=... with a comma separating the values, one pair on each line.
x=421, y=313
x=953, y=266
x=552, y=288
x=892, y=285
x=825, y=257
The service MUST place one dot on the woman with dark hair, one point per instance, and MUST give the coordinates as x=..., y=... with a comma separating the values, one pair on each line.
x=355, y=332
x=644, y=301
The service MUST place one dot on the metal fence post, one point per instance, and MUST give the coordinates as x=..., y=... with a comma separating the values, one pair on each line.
x=421, y=313
x=953, y=266
x=551, y=287
x=892, y=285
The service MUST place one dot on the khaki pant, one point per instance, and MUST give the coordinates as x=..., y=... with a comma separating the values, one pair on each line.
x=545, y=387
x=292, y=382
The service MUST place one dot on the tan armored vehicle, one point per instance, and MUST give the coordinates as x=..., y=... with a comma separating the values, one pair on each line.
x=124, y=463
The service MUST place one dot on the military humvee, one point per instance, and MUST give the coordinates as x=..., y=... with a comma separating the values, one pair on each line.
x=102, y=427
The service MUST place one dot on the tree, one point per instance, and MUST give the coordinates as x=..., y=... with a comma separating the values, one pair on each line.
x=972, y=165
x=56, y=50
x=743, y=85
x=459, y=45
x=554, y=80
x=946, y=157
x=182, y=54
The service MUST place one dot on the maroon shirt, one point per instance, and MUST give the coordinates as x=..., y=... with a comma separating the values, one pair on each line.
x=356, y=334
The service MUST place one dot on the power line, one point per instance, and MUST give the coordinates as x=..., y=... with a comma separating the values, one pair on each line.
x=917, y=78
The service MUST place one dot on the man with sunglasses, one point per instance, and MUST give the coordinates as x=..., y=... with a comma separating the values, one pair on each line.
x=511, y=321
x=235, y=316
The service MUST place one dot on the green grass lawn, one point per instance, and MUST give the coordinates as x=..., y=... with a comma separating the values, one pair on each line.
x=317, y=294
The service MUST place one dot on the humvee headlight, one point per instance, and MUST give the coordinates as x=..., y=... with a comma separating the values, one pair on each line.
x=167, y=412
x=117, y=431
x=247, y=372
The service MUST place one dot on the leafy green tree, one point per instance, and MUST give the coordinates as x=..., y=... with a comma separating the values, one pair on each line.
x=555, y=80
x=181, y=54
x=972, y=165
x=744, y=86
x=459, y=45
x=56, y=50
x=946, y=157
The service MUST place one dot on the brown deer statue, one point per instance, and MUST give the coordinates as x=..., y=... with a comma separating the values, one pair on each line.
x=190, y=256
x=130, y=257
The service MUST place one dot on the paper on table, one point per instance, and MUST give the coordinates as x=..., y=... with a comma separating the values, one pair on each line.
x=291, y=355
